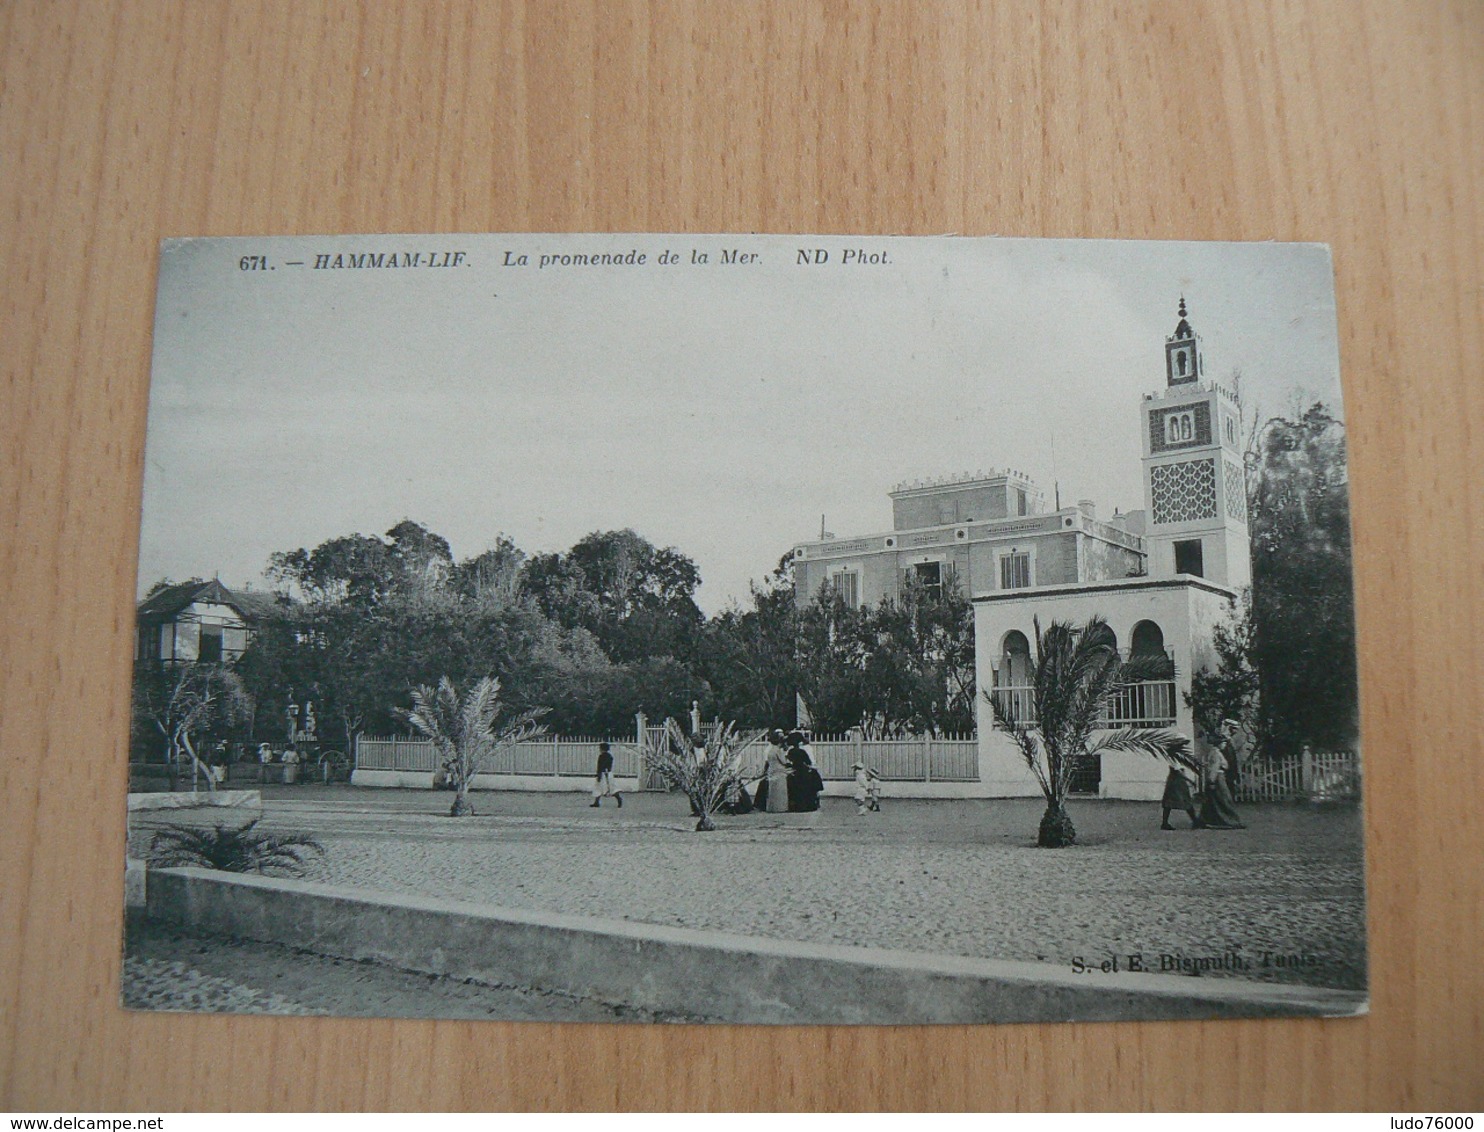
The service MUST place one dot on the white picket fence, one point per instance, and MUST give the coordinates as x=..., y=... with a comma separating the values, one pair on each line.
x=1316, y=776
x=567, y=756
x=912, y=758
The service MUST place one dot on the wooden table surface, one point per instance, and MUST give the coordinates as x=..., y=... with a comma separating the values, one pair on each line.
x=1361, y=125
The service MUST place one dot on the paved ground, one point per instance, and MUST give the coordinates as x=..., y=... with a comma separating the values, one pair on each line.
x=958, y=877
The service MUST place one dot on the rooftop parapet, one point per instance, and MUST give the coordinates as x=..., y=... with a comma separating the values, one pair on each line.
x=1175, y=392
x=965, y=479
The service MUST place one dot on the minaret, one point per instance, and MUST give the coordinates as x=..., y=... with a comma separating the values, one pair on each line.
x=1194, y=489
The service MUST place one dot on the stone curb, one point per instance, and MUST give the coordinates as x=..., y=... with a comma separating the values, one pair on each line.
x=724, y=977
x=221, y=799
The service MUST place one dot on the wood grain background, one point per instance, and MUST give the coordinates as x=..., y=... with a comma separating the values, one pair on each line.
x=1361, y=125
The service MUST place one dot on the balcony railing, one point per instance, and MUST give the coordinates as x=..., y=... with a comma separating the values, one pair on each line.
x=1149, y=703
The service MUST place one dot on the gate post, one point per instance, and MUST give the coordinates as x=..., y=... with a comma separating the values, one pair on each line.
x=641, y=738
x=1306, y=771
x=927, y=757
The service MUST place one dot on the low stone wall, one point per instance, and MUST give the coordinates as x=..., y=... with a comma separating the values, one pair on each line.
x=683, y=972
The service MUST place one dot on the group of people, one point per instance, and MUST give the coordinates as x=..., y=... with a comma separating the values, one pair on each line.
x=791, y=782
x=1219, y=771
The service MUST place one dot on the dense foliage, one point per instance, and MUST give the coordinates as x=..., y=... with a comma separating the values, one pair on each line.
x=1286, y=656
x=595, y=635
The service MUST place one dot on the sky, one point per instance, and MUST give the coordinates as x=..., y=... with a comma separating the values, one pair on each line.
x=720, y=408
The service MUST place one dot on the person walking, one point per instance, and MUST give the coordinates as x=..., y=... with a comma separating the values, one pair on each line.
x=1178, y=796
x=1232, y=746
x=1218, y=810
x=603, y=780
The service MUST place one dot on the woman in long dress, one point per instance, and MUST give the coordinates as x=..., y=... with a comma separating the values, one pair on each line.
x=803, y=782
x=1218, y=809
x=773, y=792
x=1177, y=796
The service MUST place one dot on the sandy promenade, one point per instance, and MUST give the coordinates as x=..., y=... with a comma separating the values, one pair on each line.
x=1285, y=896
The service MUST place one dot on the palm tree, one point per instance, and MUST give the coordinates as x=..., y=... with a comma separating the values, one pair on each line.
x=705, y=772
x=1075, y=676
x=240, y=850
x=463, y=730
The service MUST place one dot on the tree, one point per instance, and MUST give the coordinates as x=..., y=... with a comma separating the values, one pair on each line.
x=364, y=569
x=1232, y=690
x=1075, y=675
x=750, y=660
x=638, y=600
x=464, y=730
x=705, y=774
x=1302, y=634
x=241, y=850
x=903, y=666
x=833, y=649
x=356, y=568
x=185, y=703
x=491, y=579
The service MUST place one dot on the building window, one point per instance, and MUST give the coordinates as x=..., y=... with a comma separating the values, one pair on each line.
x=1014, y=692
x=847, y=585
x=1180, y=427
x=211, y=645
x=929, y=576
x=1015, y=570
x=1148, y=640
x=1015, y=659
x=1021, y=505
x=234, y=643
x=187, y=641
x=1188, y=558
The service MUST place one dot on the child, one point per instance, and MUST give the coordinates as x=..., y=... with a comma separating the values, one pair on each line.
x=873, y=791
x=862, y=788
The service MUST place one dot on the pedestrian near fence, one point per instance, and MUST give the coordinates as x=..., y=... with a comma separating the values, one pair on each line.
x=1178, y=796
x=1218, y=810
x=603, y=780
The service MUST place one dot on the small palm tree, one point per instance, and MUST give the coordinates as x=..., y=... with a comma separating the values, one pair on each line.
x=705, y=773
x=464, y=732
x=240, y=850
x=1075, y=676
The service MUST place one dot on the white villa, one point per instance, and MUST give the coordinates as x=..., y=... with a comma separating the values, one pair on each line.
x=1162, y=577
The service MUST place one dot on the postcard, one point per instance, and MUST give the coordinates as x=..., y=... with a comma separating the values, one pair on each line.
x=739, y=628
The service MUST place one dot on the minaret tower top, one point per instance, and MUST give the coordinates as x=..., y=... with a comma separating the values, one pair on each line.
x=1183, y=362
x=1194, y=487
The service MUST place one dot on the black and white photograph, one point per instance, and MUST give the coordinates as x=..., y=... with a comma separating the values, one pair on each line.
x=745, y=629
